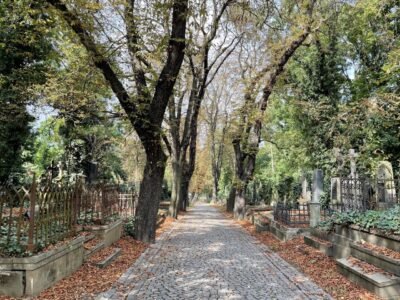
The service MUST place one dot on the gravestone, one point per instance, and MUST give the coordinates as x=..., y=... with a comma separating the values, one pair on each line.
x=386, y=191
x=335, y=190
x=304, y=186
x=305, y=192
x=317, y=190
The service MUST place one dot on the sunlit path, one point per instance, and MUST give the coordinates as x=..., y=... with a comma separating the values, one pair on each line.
x=206, y=256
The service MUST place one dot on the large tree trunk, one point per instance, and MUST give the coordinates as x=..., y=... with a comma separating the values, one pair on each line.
x=240, y=203
x=150, y=195
x=230, y=202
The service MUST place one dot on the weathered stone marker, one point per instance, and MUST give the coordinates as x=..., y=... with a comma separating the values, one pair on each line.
x=335, y=190
x=353, y=170
x=315, y=204
x=305, y=192
x=386, y=191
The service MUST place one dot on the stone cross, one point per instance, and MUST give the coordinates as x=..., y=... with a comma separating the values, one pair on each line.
x=353, y=155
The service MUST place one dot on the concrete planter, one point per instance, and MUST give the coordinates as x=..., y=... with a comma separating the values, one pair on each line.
x=109, y=233
x=28, y=276
x=285, y=233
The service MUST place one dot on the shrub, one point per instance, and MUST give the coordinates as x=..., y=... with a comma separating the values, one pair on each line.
x=129, y=227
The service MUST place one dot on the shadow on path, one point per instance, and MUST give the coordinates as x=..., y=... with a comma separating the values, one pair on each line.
x=207, y=256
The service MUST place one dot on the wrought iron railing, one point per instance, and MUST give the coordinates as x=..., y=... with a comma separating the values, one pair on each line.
x=361, y=194
x=356, y=194
x=32, y=218
x=292, y=215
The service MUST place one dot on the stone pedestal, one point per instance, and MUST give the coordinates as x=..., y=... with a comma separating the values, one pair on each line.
x=315, y=214
x=315, y=205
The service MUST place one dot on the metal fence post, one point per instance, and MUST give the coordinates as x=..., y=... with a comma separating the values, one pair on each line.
x=32, y=198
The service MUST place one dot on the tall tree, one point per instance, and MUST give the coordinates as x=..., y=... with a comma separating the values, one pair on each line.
x=145, y=107
x=219, y=100
x=25, y=49
x=203, y=62
x=248, y=132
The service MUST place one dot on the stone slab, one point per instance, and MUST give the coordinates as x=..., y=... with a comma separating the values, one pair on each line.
x=12, y=283
x=384, y=286
x=109, y=259
x=381, y=261
x=326, y=249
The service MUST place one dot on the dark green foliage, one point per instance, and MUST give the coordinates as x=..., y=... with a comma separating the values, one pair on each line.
x=24, y=46
x=388, y=220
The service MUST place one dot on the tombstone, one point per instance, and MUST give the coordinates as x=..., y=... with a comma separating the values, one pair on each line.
x=335, y=190
x=317, y=190
x=304, y=186
x=305, y=193
x=386, y=191
x=353, y=170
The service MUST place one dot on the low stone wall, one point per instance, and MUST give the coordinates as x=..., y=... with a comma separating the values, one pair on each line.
x=384, y=281
x=28, y=276
x=344, y=236
x=282, y=232
x=109, y=233
x=356, y=234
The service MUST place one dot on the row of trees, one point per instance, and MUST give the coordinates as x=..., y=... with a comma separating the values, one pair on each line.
x=245, y=91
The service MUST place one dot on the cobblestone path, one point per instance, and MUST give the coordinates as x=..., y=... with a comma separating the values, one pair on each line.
x=207, y=256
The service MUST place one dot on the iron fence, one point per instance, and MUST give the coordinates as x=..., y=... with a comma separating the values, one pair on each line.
x=361, y=194
x=35, y=217
x=356, y=194
x=292, y=215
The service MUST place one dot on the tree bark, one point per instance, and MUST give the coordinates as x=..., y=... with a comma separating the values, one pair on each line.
x=149, y=195
x=185, y=194
x=240, y=203
x=230, y=202
x=176, y=187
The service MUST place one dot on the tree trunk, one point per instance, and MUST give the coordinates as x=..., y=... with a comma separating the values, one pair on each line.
x=176, y=188
x=215, y=190
x=240, y=203
x=150, y=195
x=184, y=194
x=230, y=202
x=216, y=172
